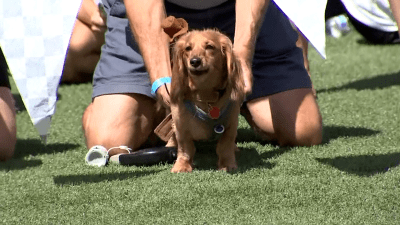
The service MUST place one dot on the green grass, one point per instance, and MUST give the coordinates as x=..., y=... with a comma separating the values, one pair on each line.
x=352, y=178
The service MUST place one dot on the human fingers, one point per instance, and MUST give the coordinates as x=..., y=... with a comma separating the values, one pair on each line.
x=163, y=93
x=247, y=77
x=98, y=21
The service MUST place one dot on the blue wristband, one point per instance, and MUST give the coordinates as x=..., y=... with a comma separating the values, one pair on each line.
x=158, y=83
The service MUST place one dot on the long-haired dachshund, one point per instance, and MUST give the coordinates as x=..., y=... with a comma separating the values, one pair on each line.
x=206, y=95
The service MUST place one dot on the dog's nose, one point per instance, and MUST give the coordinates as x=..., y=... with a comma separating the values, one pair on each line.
x=195, y=62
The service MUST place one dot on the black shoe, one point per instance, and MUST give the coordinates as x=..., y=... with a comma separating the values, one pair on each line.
x=146, y=157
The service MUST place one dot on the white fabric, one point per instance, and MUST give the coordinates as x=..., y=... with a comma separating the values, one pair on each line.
x=34, y=36
x=309, y=18
x=373, y=13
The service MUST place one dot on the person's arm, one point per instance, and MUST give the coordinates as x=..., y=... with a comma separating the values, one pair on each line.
x=302, y=43
x=249, y=18
x=395, y=7
x=90, y=14
x=145, y=19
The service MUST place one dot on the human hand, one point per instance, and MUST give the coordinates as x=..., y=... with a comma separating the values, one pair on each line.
x=98, y=20
x=248, y=78
x=163, y=94
x=245, y=65
x=307, y=65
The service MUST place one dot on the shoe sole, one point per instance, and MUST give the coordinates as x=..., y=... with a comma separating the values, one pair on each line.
x=146, y=157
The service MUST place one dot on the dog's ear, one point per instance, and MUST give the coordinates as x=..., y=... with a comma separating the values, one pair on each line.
x=235, y=75
x=179, y=83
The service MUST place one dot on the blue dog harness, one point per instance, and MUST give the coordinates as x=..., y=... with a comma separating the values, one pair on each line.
x=218, y=125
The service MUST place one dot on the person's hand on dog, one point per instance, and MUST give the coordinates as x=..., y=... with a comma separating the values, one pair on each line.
x=248, y=78
x=163, y=94
x=245, y=64
x=93, y=16
x=249, y=18
x=98, y=20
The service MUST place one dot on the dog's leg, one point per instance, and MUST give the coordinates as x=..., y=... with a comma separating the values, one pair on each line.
x=184, y=161
x=226, y=146
x=185, y=144
x=226, y=149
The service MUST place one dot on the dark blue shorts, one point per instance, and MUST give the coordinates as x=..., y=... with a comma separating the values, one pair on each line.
x=4, y=81
x=277, y=65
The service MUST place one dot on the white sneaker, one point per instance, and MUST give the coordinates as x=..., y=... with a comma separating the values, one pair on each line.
x=97, y=156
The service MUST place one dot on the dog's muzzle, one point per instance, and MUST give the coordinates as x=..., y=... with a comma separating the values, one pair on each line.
x=196, y=67
x=195, y=62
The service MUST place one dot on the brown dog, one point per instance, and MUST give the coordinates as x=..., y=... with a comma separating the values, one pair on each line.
x=206, y=95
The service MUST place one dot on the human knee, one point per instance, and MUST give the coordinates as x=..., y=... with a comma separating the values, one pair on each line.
x=115, y=128
x=85, y=117
x=8, y=129
x=113, y=137
x=7, y=149
x=306, y=135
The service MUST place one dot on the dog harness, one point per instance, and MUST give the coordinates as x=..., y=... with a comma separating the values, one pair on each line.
x=217, y=124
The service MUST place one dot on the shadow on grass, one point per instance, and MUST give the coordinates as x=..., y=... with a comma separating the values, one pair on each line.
x=363, y=41
x=19, y=164
x=330, y=132
x=276, y=152
x=32, y=147
x=19, y=103
x=248, y=135
x=364, y=165
x=247, y=158
x=36, y=147
x=372, y=83
x=97, y=178
x=333, y=132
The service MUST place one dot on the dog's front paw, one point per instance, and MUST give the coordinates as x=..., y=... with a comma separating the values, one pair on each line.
x=227, y=165
x=182, y=166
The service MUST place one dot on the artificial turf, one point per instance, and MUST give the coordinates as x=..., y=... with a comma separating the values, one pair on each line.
x=353, y=177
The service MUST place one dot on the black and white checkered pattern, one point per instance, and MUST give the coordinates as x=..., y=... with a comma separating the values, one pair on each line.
x=34, y=35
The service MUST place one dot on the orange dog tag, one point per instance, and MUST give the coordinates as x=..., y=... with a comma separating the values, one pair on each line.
x=214, y=112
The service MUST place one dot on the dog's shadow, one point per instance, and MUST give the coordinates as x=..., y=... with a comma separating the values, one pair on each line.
x=247, y=157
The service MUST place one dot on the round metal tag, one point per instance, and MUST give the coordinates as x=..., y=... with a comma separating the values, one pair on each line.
x=219, y=129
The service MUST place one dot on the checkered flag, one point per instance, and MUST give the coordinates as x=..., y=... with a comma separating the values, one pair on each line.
x=34, y=36
x=309, y=18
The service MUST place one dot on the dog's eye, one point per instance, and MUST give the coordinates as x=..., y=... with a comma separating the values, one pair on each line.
x=210, y=47
x=188, y=48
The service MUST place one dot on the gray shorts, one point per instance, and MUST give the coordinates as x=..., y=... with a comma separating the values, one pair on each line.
x=277, y=65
